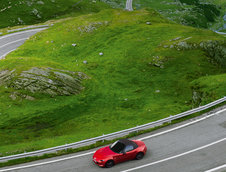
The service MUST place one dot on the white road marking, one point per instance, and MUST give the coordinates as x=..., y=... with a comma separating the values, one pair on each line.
x=6, y=54
x=176, y=156
x=13, y=42
x=217, y=168
x=18, y=33
x=85, y=154
x=49, y=162
x=13, y=34
x=182, y=126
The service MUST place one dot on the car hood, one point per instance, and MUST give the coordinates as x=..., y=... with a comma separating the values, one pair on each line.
x=103, y=153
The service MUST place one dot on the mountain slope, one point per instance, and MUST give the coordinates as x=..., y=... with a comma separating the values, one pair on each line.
x=26, y=12
x=140, y=67
x=196, y=13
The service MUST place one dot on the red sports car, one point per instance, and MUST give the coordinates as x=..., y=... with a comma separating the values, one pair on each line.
x=120, y=151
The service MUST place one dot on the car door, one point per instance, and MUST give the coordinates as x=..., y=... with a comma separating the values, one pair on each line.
x=124, y=155
x=119, y=158
x=129, y=152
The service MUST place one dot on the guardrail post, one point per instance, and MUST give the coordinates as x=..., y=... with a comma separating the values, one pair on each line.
x=103, y=139
x=170, y=120
x=66, y=147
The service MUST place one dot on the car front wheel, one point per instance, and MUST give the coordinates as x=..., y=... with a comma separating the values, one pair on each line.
x=109, y=164
x=139, y=156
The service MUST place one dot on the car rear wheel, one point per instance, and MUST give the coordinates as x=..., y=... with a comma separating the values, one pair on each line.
x=109, y=164
x=140, y=155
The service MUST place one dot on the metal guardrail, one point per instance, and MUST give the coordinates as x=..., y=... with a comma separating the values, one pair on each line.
x=115, y=134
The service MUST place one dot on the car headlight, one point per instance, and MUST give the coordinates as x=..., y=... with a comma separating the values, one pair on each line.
x=101, y=160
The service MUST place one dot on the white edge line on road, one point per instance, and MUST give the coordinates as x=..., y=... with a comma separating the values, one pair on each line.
x=76, y=156
x=176, y=156
x=18, y=33
x=13, y=42
x=2, y=57
x=217, y=168
x=182, y=126
x=49, y=162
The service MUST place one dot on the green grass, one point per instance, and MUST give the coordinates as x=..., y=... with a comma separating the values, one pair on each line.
x=220, y=2
x=13, y=13
x=99, y=143
x=124, y=89
x=188, y=12
x=70, y=151
x=193, y=13
x=210, y=87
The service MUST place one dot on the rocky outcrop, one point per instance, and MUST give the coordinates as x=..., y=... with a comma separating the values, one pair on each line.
x=19, y=96
x=214, y=49
x=6, y=76
x=157, y=61
x=92, y=27
x=44, y=80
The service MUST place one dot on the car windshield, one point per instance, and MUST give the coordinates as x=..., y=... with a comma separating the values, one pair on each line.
x=117, y=147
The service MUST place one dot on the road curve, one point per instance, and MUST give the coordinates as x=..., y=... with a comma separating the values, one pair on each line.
x=200, y=146
x=221, y=33
x=192, y=146
x=11, y=42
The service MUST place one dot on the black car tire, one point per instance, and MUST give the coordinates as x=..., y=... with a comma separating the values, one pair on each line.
x=109, y=164
x=140, y=155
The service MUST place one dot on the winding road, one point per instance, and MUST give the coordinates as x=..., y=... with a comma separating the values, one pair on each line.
x=129, y=5
x=10, y=42
x=191, y=146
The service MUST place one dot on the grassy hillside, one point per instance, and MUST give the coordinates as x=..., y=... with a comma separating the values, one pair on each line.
x=221, y=21
x=115, y=3
x=220, y=2
x=138, y=72
x=28, y=12
x=210, y=86
x=197, y=13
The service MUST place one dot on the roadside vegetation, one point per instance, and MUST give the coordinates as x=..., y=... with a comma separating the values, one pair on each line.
x=100, y=143
x=36, y=11
x=141, y=67
x=196, y=13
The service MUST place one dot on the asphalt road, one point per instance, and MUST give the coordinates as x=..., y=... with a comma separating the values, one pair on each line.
x=10, y=42
x=129, y=5
x=199, y=146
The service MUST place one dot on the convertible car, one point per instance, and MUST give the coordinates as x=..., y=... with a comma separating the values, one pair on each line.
x=120, y=151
